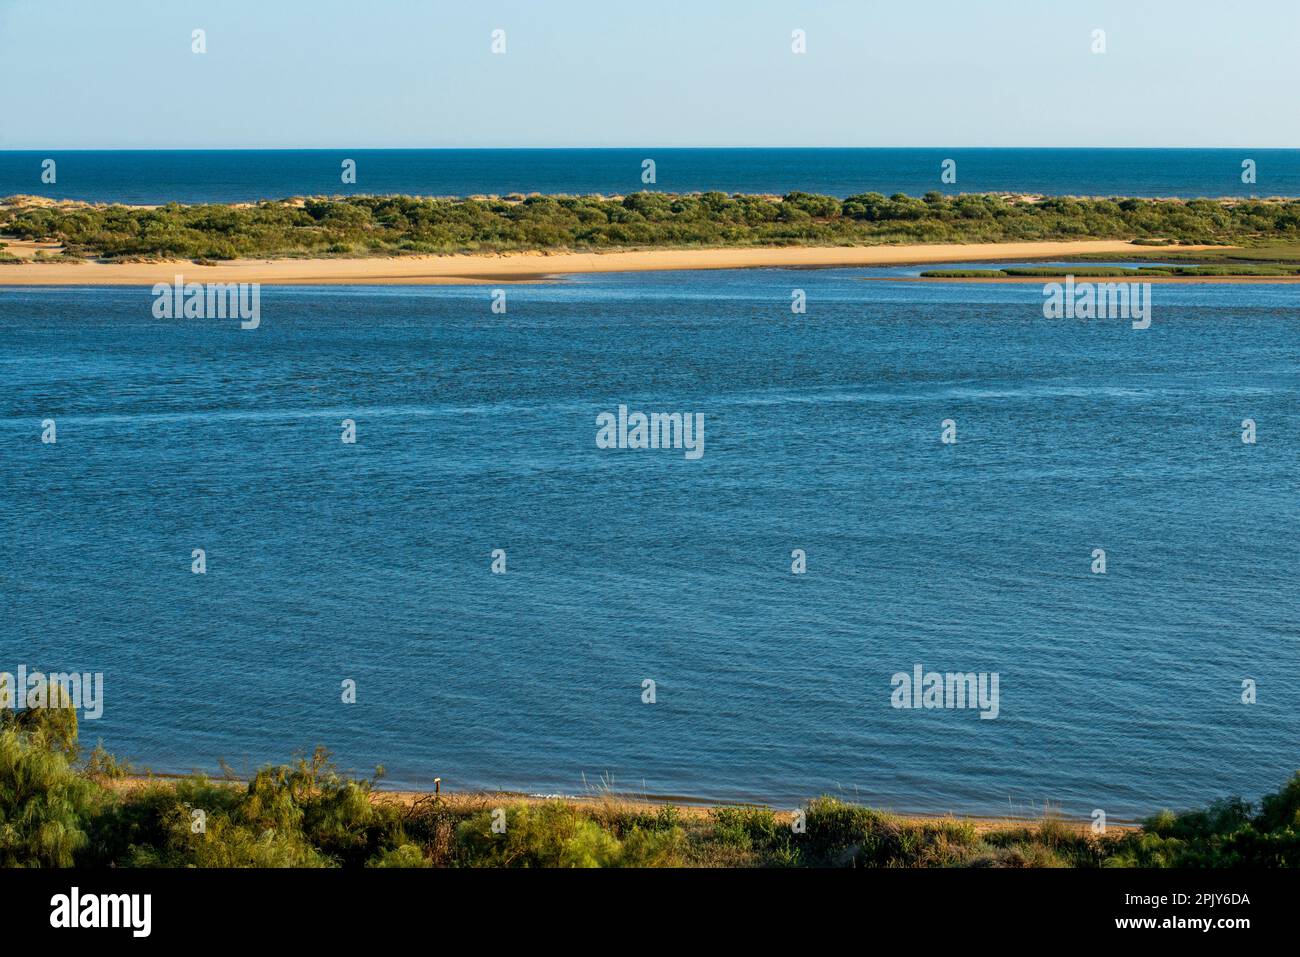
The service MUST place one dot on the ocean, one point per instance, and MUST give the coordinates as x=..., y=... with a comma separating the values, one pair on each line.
x=476, y=430
x=222, y=176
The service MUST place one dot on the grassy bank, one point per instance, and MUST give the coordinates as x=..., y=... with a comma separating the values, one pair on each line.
x=1275, y=252
x=1118, y=272
x=60, y=808
x=396, y=225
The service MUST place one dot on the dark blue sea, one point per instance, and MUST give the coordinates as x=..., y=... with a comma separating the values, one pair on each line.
x=152, y=177
x=329, y=562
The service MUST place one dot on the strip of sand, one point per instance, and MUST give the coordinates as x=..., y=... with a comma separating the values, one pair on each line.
x=536, y=267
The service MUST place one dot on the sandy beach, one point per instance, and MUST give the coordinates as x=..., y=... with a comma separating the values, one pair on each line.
x=533, y=267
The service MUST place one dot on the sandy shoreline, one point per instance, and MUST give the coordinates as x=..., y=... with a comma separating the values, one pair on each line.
x=536, y=267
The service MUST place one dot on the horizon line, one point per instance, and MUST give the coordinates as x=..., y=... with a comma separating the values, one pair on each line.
x=413, y=149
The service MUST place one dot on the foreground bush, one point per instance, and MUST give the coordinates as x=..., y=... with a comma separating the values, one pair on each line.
x=58, y=810
x=45, y=806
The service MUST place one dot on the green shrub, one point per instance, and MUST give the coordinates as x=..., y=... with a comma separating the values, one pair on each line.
x=747, y=828
x=404, y=855
x=408, y=225
x=55, y=812
x=561, y=835
x=44, y=803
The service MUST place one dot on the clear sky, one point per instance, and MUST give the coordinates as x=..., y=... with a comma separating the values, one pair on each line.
x=420, y=73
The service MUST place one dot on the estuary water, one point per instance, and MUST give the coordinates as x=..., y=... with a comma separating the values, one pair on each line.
x=371, y=562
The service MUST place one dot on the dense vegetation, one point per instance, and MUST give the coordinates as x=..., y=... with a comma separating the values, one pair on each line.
x=58, y=809
x=394, y=225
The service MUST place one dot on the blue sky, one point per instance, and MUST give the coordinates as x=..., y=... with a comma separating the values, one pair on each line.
x=420, y=73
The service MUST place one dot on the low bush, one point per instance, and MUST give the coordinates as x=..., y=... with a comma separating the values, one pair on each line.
x=60, y=810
